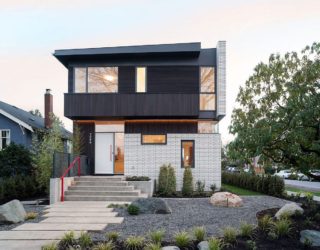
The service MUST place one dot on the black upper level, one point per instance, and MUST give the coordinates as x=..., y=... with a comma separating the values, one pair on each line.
x=150, y=81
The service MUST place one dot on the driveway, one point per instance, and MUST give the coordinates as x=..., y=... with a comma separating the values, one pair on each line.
x=304, y=185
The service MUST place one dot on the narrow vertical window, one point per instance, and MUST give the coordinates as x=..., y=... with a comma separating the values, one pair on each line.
x=80, y=80
x=207, y=89
x=141, y=79
x=4, y=138
x=187, y=154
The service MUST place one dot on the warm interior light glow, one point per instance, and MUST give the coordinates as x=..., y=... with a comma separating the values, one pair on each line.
x=141, y=79
x=109, y=78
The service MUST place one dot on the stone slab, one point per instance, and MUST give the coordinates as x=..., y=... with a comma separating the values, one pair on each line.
x=24, y=244
x=81, y=214
x=83, y=220
x=75, y=210
x=59, y=227
x=34, y=235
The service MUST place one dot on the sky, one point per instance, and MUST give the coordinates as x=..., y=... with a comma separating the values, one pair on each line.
x=30, y=31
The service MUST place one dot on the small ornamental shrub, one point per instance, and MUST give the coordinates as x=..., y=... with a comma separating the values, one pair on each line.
x=112, y=236
x=31, y=215
x=51, y=246
x=157, y=236
x=134, y=243
x=68, y=240
x=282, y=228
x=251, y=245
x=182, y=239
x=215, y=244
x=85, y=240
x=317, y=217
x=152, y=246
x=137, y=178
x=200, y=186
x=309, y=197
x=229, y=235
x=105, y=246
x=133, y=210
x=246, y=229
x=213, y=188
x=199, y=233
x=187, y=185
x=265, y=223
x=167, y=181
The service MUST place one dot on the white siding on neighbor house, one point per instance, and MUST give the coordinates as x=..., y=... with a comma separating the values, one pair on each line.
x=146, y=160
x=221, y=78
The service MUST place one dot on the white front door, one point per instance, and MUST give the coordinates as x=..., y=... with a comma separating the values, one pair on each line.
x=104, y=153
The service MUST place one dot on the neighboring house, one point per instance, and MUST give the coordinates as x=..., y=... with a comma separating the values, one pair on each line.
x=139, y=107
x=18, y=126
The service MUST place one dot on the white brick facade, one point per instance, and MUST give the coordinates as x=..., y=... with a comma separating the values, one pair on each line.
x=146, y=160
x=221, y=78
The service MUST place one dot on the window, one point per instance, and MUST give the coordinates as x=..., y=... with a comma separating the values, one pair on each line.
x=80, y=80
x=153, y=139
x=187, y=154
x=4, y=138
x=205, y=127
x=96, y=80
x=207, y=89
x=141, y=79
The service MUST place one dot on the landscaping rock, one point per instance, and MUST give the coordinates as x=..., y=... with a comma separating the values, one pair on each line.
x=203, y=245
x=288, y=209
x=170, y=248
x=312, y=235
x=12, y=212
x=226, y=199
x=152, y=206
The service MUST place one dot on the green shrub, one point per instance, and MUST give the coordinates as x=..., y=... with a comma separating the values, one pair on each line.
x=200, y=186
x=157, y=236
x=133, y=210
x=229, y=235
x=215, y=244
x=85, y=240
x=105, y=246
x=51, y=246
x=250, y=244
x=265, y=223
x=182, y=239
x=199, y=233
x=282, y=227
x=246, y=229
x=309, y=196
x=31, y=215
x=67, y=240
x=187, y=185
x=213, y=187
x=137, y=178
x=134, y=243
x=152, y=246
x=167, y=181
x=112, y=236
x=317, y=217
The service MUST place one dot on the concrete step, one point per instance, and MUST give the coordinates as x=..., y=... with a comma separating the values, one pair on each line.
x=103, y=193
x=83, y=220
x=101, y=183
x=59, y=227
x=102, y=188
x=99, y=178
x=80, y=214
x=25, y=244
x=34, y=235
x=79, y=209
x=100, y=198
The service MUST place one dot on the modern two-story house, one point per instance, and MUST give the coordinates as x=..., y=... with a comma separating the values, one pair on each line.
x=139, y=107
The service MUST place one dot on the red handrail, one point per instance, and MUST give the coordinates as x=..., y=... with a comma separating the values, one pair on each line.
x=77, y=159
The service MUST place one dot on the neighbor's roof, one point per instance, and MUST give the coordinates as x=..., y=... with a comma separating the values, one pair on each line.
x=191, y=49
x=26, y=119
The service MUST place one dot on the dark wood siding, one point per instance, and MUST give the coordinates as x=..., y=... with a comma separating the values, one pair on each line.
x=161, y=127
x=126, y=79
x=87, y=132
x=173, y=79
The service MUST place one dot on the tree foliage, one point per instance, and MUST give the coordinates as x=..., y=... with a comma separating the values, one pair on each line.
x=77, y=140
x=279, y=111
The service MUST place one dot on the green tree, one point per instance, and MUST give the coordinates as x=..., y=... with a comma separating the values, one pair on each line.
x=77, y=140
x=278, y=113
x=187, y=185
x=36, y=112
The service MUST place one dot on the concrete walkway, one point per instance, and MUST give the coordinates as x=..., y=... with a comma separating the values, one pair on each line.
x=59, y=219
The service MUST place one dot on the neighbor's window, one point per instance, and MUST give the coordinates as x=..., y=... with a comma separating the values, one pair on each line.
x=207, y=89
x=187, y=154
x=102, y=79
x=153, y=139
x=141, y=79
x=80, y=80
x=4, y=138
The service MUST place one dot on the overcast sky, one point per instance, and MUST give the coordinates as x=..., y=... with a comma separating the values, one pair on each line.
x=30, y=31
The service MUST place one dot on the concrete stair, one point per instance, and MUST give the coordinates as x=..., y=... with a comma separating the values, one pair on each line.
x=102, y=188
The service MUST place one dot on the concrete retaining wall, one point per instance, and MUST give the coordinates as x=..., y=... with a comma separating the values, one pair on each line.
x=146, y=187
x=55, y=188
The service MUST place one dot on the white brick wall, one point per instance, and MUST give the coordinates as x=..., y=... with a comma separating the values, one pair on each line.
x=221, y=78
x=147, y=159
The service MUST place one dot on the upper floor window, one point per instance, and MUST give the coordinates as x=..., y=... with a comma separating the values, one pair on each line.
x=141, y=79
x=205, y=127
x=96, y=80
x=4, y=138
x=207, y=89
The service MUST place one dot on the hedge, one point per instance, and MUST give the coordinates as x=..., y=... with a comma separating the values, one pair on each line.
x=266, y=184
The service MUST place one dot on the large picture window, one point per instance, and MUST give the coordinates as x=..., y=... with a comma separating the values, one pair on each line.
x=4, y=138
x=96, y=79
x=187, y=154
x=207, y=89
x=153, y=139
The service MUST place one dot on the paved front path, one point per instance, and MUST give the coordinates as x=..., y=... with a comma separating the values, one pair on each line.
x=304, y=185
x=59, y=219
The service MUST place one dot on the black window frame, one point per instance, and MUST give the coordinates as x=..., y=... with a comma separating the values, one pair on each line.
x=208, y=93
x=193, y=152
x=143, y=143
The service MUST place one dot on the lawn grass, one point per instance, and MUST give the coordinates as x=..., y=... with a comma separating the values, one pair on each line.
x=239, y=191
x=292, y=189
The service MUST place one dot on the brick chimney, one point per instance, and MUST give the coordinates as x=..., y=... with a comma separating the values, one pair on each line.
x=48, y=108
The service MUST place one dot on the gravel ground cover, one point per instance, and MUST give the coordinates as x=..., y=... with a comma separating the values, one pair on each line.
x=29, y=208
x=188, y=213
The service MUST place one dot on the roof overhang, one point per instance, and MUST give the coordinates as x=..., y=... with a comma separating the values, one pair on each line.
x=16, y=120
